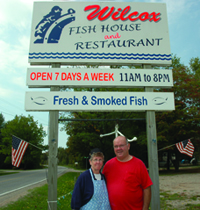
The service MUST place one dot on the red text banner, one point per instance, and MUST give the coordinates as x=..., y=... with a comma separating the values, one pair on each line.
x=98, y=77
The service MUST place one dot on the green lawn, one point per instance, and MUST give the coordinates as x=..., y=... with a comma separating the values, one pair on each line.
x=2, y=173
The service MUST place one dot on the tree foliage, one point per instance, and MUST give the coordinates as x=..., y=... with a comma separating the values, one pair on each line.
x=26, y=129
x=2, y=124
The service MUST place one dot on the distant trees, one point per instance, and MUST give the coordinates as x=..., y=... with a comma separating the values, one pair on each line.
x=27, y=129
x=2, y=156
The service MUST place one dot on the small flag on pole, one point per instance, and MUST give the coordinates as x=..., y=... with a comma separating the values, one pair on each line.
x=185, y=147
x=18, y=149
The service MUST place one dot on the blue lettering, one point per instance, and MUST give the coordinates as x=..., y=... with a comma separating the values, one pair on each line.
x=65, y=101
x=55, y=99
x=108, y=101
x=138, y=101
x=93, y=99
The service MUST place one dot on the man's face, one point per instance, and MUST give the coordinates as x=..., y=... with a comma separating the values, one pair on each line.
x=121, y=148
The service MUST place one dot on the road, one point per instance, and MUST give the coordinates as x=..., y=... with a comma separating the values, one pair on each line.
x=16, y=185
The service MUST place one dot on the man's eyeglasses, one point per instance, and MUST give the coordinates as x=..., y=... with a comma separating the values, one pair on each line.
x=119, y=146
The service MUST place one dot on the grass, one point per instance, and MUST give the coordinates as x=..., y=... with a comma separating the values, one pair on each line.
x=165, y=197
x=2, y=173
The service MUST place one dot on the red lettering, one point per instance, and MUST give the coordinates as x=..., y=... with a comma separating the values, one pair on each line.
x=49, y=76
x=44, y=76
x=94, y=76
x=144, y=16
x=93, y=14
x=154, y=18
x=32, y=76
x=69, y=76
x=115, y=14
x=63, y=76
x=86, y=77
x=74, y=76
x=78, y=76
x=100, y=76
x=111, y=77
x=107, y=12
x=57, y=73
x=38, y=75
x=124, y=12
x=101, y=13
x=117, y=36
x=105, y=77
x=133, y=14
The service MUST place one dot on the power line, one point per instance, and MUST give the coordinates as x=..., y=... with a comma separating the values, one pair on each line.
x=128, y=119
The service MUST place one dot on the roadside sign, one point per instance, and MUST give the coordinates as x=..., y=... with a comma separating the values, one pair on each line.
x=99, y=101
x=99, y=33
x=82, y=77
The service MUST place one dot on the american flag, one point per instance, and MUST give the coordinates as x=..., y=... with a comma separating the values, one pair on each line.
x=185, y=147
x=18, y=149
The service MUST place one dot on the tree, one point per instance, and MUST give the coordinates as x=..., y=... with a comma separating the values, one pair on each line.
x=62, y=156
x=195, y=66
x=26, y=129
x=2, y=124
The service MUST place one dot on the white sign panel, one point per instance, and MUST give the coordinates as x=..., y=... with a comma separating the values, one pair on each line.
x=100, y=33
x=99, y=101
x=79, y=77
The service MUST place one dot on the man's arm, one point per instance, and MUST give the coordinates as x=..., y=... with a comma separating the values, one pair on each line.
x=147, y=198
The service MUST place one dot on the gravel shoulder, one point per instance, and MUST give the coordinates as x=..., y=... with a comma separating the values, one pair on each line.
x=186, y=185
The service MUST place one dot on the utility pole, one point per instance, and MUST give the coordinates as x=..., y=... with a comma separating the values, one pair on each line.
x=152, y=153
x=53, y=149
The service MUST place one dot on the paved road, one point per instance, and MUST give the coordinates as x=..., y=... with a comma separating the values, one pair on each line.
x=13, y=182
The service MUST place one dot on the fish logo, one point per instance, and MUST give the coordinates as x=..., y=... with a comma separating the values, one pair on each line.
x=159, y=100
x=49, y=29
x=39, y=100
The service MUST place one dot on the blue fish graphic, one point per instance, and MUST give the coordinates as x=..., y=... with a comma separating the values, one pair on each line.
x=159, y=100
x=39, y=100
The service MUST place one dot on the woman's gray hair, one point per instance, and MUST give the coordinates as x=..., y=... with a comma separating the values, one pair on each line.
x=96, y=154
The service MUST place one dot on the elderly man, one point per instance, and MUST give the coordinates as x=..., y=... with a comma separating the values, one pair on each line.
x=128, y=181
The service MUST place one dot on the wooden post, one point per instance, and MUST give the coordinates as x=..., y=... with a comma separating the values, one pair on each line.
x=152, y=153
x=53, y=149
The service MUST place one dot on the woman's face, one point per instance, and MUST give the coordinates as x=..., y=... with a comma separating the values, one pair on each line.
x=96, y=164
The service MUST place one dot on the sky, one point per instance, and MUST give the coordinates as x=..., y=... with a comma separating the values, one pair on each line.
x=15, y=28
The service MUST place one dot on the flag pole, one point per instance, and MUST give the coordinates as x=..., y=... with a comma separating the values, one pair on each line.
x=28, y=142
x=166, y=147
x=170, y=145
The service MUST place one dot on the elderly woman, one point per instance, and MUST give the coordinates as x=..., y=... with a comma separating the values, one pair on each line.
x=90, y=192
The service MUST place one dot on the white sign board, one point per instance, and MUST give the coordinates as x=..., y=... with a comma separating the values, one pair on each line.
x=79, y=77
x=99, y=101
x=100, y=33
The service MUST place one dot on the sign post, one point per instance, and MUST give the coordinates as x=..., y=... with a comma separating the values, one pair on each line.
x=152, y=153
x=53, y=149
